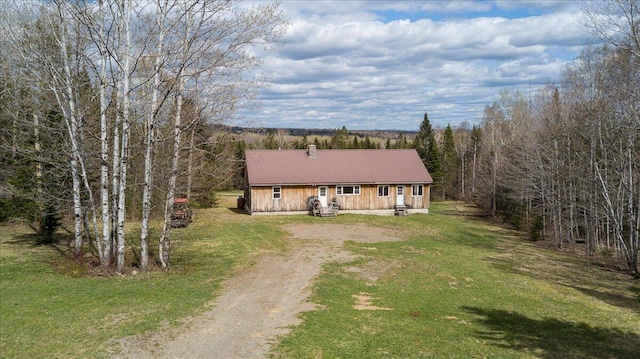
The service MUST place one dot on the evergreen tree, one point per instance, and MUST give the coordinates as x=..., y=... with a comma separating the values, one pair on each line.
x=340, y=139
x=401, y=142
x=448, y=161
x=367, y=143
x=355, y=144
x=406, y=143
x=427, y=147
x=240, y=149
x=270, y=142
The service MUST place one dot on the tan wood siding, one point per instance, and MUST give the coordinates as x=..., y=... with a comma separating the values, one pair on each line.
x=294, y=198
x=418, y=201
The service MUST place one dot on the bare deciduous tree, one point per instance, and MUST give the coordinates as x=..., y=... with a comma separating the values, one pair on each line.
x=115, y=76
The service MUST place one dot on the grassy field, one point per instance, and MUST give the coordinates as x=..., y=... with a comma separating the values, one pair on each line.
x=50, y=308
x=462, y=288
x=456, y=287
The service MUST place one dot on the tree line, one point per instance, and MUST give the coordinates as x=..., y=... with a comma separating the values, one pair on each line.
x=563, y=163
x=566, y=163
x=103, y=105
x=334, y=139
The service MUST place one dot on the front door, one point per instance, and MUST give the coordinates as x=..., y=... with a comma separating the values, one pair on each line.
x=400, y=197
x=322, y=195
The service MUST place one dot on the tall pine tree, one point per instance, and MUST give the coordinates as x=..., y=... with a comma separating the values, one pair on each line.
x=427, y=147
x=340, y=139
x=449, y=165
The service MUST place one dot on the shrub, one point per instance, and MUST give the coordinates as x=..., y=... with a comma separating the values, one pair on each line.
x=50, y=224
x=535, y=228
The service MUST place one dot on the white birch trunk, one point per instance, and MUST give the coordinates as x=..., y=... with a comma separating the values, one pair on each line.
x=116, y=147
x=190, y=159
x=124, y=148
x=67, y=103
x=105, y=246
x=77, y=210
x=40, y=209
x=92, y=203
x=164, y=245
x=462, y=175
x=115, y=179
x=473, y=168
x=165, y=239
x=150, y=143
x=632, y=211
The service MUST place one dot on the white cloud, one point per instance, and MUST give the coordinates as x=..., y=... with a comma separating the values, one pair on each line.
x=349, y=64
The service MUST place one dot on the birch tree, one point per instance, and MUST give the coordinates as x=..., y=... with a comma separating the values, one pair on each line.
x=214, y=46
x=462, y=144
x=151, y=117
x=124, y=9
x=493, y=123
x=106, y=25
x=55, y=59
x=67, y=101
x=140, y=73
x=102, y=45
x=617, y=23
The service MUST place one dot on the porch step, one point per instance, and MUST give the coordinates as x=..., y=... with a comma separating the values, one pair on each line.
x=401, y=210
x=328, y=212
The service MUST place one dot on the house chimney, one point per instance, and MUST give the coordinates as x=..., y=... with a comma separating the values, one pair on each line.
x=312, y=151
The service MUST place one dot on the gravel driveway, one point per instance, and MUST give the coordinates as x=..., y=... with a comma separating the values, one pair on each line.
x=261, y=302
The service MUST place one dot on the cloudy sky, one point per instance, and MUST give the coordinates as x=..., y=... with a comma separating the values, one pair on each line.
x=383, y=64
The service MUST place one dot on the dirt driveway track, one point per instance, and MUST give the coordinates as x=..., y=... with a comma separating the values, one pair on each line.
x=261, y=302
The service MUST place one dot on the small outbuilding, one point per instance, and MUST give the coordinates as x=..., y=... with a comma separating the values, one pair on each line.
x=355, y=181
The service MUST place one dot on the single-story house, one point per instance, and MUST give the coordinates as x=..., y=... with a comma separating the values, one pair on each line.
x=356, y=180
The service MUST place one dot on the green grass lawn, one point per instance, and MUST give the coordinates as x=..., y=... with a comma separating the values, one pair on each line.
x=49, y=309
x=462, y=288
x=457, y=287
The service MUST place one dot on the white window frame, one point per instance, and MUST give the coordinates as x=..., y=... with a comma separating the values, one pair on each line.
x=356, y=190
x=417, y=190
x=276, y=192
x=383, y=190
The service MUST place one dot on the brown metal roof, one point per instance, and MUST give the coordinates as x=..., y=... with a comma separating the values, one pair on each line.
x=295, y=167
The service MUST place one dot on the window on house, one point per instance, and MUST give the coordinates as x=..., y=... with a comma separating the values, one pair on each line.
x=383, y=191
x=348, y=190
x=277, y=192
x=418, y=190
